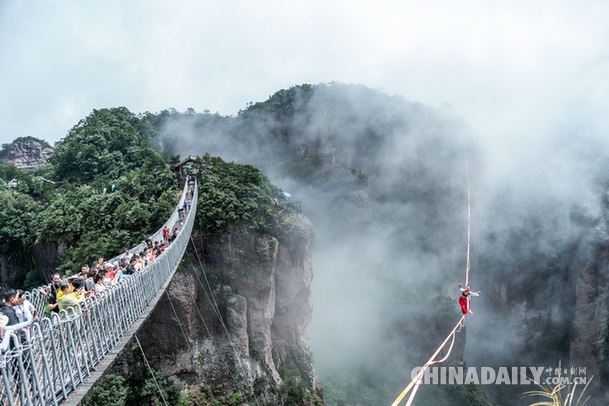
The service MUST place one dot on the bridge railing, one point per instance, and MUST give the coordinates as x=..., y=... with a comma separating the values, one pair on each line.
x=42, y=362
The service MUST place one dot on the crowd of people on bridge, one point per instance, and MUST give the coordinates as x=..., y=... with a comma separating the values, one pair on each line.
x=93, y=279
x=62, y=293
x=16, y=308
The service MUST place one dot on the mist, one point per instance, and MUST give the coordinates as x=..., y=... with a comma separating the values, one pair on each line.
x=392, y=246
x=518, y=90
x=509, y=69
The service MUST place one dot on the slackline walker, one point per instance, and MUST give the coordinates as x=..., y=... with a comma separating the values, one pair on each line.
x=464, y=302
x=465, y=299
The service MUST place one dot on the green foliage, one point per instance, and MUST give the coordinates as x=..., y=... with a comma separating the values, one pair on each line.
x=236, y=399
x=104, y=190
x=91, y=246
x=128, y=195
x=139, y=388
x=560, y=394
x=214, y=278
x=9, y=172
x=469, y=395
x=206, y=395
x=107, y=142
x=452, y=395
x=60, y=221
x=33, y=279
x=97, y=224
x=361, y=176
x=31, y=183
x=144, y=389
x=18, y=222
x=255, y=352
x=294, y=388
x=348, y=389
x=110, y=391
x=232, y=195
x=284, y=103
x=273, y=243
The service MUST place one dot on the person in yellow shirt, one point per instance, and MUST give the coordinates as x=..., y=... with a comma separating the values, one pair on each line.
x=69, y=295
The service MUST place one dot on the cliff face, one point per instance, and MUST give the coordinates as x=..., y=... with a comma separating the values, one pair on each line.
x=27, y=154
x=589, y=345
x=44, y=255
x=242, y=322
x=590, y=329
x=546, y=299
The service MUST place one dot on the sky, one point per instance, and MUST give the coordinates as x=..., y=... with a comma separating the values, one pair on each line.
x=528, y=77
x=514, y=70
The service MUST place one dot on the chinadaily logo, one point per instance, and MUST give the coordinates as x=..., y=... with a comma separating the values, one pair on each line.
x=499, y=376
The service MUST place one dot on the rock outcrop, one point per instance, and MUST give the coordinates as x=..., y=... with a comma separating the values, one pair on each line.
x=240, y=323
x=589, y=345
x=27, y=153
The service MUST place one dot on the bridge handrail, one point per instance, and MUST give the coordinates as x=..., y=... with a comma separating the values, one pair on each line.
x=42, y=362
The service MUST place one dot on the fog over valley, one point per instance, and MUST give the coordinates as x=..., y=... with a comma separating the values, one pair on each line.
x=381, y=119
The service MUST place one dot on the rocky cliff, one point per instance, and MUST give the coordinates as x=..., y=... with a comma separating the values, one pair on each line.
x=26, y=153
x=545, y=297
x=589, y=341
x=236, y=316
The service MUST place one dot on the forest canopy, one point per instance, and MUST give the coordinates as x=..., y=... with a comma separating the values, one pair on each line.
x=104, y=189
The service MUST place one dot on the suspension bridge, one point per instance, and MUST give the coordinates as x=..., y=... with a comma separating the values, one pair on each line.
x=58, y=359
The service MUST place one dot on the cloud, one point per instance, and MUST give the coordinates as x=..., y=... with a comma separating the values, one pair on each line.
x=504, y=67
x=529, y=79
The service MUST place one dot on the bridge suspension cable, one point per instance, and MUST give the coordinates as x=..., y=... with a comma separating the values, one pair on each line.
x=151, y=371
x=211, y=299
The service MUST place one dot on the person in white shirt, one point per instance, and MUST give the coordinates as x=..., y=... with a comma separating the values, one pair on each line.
x=24, y=309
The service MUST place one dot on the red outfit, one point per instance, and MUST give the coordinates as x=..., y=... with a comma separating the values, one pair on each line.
x=464, y=299
x=464, y=303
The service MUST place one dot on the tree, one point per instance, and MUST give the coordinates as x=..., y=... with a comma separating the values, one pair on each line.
x=111, y=391
x=232, y=194
x=117, y=189
x=107, y=138
x=18, y=222
x=144, y=389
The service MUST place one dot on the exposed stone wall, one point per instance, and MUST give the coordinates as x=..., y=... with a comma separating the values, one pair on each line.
x=259, y=283
x=27, y=155
x=590, y=341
